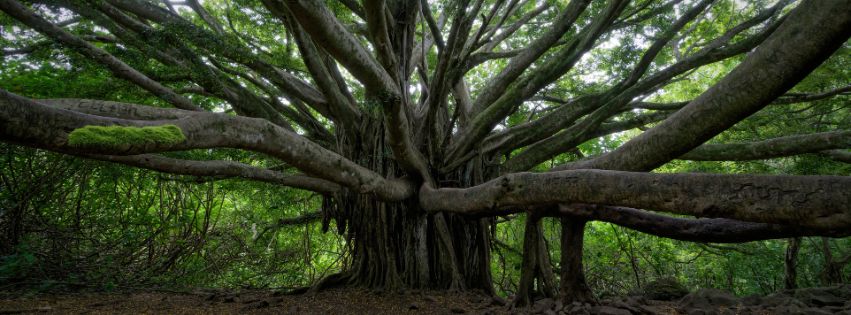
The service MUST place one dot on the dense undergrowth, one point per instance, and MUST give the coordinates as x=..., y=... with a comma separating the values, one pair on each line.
x=71, y=223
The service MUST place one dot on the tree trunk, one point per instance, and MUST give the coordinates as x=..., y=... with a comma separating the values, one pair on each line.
x=535, y=265
x=397, y=245
x=573, y=286
x=792, y=262
x=832, y=273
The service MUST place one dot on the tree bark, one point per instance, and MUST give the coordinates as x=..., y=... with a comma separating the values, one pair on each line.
x=818, y=202
x=398, y=245
x=535, y=267
x=794, y=245
x=704, y=230
x=573, y=287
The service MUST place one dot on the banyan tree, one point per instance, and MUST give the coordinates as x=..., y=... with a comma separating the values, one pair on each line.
x=422, y=121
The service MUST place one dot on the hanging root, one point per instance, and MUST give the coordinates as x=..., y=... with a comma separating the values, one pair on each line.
x=456, y=283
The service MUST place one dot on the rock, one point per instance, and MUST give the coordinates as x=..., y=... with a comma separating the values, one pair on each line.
x=544, y=304
x=608, y=310
x=631, y=308
x=256, y=305
x=845, y=290
x=778, y=300
x=579, y=311
x=497, y=301
x=817, y=311
x=752, y=300
x=429, y=298
x=576, y=308
x=664, y=289
x=707, y=299
x=413, y=307
x=644, y=309
x=830, y=296
x=631, y=303
x=558, y=306
x=791, y=309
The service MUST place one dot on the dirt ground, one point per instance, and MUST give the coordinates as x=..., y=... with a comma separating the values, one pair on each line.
x=332, y=301
x=826, y=300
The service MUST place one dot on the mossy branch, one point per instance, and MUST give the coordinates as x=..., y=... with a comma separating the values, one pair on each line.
x=117, y=136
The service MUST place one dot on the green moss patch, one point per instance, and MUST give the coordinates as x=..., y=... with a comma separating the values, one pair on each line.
x=116, y=136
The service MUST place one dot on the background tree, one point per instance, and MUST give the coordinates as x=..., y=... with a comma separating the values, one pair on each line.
x=419, y=129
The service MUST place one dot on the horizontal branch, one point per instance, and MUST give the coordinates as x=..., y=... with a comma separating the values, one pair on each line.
x=708, y=230
x=772, y=148
x=303, y=219
x=29, y=123
x=116, y=109
x=838, y=155
x=792, y=98
x=226, y=169
x=812, y=201
x=300, y=220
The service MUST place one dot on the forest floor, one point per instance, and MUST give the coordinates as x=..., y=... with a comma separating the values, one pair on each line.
x=833, y=300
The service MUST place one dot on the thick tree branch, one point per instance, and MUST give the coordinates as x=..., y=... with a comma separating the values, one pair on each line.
x=339, y=42
x=342, y=110
x=432, y=25
x=838, y=155
x=221, y=169
x=819, y=28
x=772, y=148
x=25, y=122
x=614, y=101
x=327, y=31
x=205, y=16
x=116, y=109
x=807, y=201
x=712, y=230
